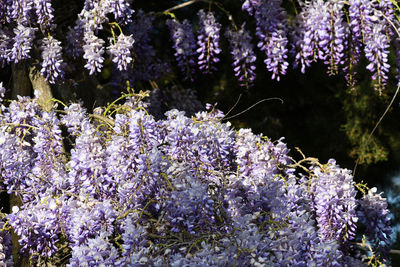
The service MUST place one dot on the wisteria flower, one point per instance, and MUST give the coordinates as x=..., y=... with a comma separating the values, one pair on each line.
x=120, y=51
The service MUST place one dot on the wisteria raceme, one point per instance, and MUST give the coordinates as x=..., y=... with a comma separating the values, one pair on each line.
x=96, y=15
x=6, y=247
x=44, y=13
x=377, y=52
x=333, y=39
x=361, y=20
x=243, y=56
x=120, y=51
x=387, y=17
x=208, y=41
x=97, y=251
x=39, y=223
x=334, y=189
x=22, y=43
x=52, y=64
x=5, y=45
x=75, y=40
x=184, y=44
x=122, y=11
x=251, y=5
x=271, y=31
x=93, y=52
x=373, y=213
x=20, y=11
x=320, y=31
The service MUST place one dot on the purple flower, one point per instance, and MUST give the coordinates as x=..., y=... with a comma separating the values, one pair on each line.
x=122, y=11
x=377, y=52
x=95, y=14
x=5, y=46
x=208, y=41
x=21, y=11
x=321, y=34
x=87, y=164
x=75, y=40
x=44, y=13
x=184, y=45
x=251, y=5
x=272, y=32
x=120, y=51
x=334, y=203
x=38, y=227
x=93, y=52
x=374, y=215
x=22, y=43
x=333, y=36
x=361, y=18
x=52, y=64
x=75, y=117
x=97, y=251
x=6, y=247
x=243, y=56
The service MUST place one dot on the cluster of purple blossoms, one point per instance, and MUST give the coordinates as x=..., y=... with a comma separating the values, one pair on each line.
x=37, y=226
x=52, y=64
x=271, y=31
x=374, y=215
x=208, y=41
x=6, y=258
x=251, y=5
x=96, y=251
x=83, y=37
x=335, y=204
x=377, y=52
x=5, y=44
x=44, y=13
x=22, y=43
x=20, y=11
x=93, y=52
x=184, y=45
x=369, y=27
x=122, y=11
x=120, y=51
x=243, y=56
x=322, y=34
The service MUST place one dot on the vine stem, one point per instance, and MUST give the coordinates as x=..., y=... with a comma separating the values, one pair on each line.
x=183, y=5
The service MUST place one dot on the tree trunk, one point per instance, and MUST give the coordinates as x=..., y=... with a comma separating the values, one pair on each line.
x=21, y=84
x=41, y=88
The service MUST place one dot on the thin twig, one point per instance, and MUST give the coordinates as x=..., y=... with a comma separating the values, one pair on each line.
x=183, y=5
x=237, y=102
x=252, y=106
